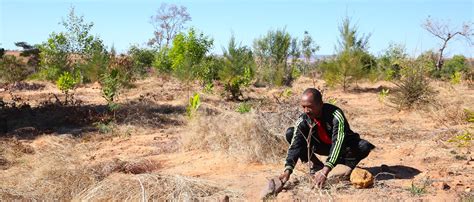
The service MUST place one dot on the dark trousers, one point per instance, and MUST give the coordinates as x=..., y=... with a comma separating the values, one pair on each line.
x=351, y=152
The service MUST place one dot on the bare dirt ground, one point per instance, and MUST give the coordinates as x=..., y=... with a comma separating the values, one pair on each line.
x=154, y=151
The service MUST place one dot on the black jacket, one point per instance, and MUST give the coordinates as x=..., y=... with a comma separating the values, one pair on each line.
x=337, y=127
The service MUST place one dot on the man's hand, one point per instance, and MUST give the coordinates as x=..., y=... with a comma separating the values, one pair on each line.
x=284, y=177
x=320, y=177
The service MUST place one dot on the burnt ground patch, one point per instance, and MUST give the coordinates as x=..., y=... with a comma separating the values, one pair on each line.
x=26, y=122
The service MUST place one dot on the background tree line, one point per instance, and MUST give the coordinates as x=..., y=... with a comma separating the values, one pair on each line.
x=74, y=57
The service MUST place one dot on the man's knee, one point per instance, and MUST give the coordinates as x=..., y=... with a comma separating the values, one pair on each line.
x=289, y=134
x=365, y=147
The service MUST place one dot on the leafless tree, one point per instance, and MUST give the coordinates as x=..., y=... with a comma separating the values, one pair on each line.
x=445, y=32
x=168, y=21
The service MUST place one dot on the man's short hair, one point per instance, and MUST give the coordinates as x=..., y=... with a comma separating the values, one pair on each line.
x=317, y=97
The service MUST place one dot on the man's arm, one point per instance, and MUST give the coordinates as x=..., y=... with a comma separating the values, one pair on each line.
x=338, y=135
x=296, y=146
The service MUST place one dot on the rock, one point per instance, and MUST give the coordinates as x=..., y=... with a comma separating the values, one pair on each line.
x=361, y=178
x=468, y=190
x=225, y=199
x=441, y=185
x=273, y=187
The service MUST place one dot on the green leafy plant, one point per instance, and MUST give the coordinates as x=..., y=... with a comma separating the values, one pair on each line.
x=416, y=190
x=414, y=86
x=271, y=53
x=383, y=94
x=104, y=127
x=187, y=52
x=462, y=140
x=110, y=86
x=238, y=68
x=243, y=107
x=456, y=78
x=74, y=50
x=208, y=88
x=287, y=93
x=142, y=59
x=66, y=82
x=352, y=62
x=332, y=101
x=193, y=106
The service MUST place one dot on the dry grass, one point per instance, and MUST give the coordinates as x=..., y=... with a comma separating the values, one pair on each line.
x=251, y=137
x=58, y=169
x=154, y=187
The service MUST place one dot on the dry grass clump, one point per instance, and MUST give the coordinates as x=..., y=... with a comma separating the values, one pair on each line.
x=154, y=187
x=10, y=150
x=55, y=171
x=249, y=136
x=59, y=169
x=104, y=169
x=149, y=114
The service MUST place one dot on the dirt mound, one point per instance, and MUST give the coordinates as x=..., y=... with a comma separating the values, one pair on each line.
x=18, y=86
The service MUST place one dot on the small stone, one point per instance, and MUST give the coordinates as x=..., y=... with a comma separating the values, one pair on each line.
x=361, y=178
x=225, y=199
x=468, y=190
x=445, y=186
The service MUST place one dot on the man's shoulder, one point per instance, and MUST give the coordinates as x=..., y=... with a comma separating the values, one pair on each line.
x=329, y=110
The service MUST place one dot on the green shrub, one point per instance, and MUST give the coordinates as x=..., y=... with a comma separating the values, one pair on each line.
x=75, y=51
x=416, y=190
x=193, y=106
x=389, y=64
x=352, y=62
x=457, y=64
x=238, y=68
x=462, y=140
x=187, y=52
x=383, y=94
x=162, y=62
x=243, y=108
x=456, y=78
x=208, y=69
x=110, y=87
x=67, y=82
x=271, y=52
x=142, y=59
x=13, y=69
x=414, y=86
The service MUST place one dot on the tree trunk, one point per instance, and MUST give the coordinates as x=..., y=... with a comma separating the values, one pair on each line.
x=439, y=62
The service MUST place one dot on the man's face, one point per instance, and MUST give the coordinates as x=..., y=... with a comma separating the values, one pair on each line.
x=310, y=107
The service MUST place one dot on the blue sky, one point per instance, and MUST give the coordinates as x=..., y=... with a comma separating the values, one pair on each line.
x=122, y=23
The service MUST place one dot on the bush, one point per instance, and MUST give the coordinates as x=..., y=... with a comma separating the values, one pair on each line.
x=208, y=70
x=193, y=106
x=142, y=59
x=389, y=63
x=353, y=62
x=110, y=85
x=243, y=108
x=414, y=86
x=457, y=64
x=187, y=52
x=162, y=62
x=13, y=69
x=238, y=68
x=65, y=83
x=271, y=52
x=75, y=51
